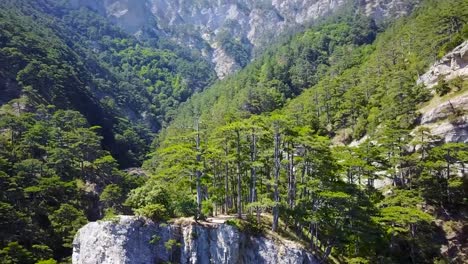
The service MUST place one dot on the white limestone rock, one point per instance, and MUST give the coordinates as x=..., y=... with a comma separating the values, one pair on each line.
x=135, y=240
x=197, y=24
x=452, y=65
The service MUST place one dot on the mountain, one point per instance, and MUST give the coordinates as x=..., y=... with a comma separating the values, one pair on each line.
x=129, y=66
x=231, y=33
x=338, y=73
x=127, y=87
x=327, y=131
x=330, y=136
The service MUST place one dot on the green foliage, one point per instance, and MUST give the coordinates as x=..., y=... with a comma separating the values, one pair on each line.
x=207, y=208
x=66, y=221
x=250, y=227
x=185, y=207
x=338, y=77
x=42, y=252
x=14, y=253
x=49, y=160
x=442, y=88
x=234, y=48
x=262, y=140
x=48, y=261
x=76, y=59
x=261, y=144
x=155, y=212
x=110, y=214
x=112, y=195
x=155, y=239
x=171, y=244
x=284, y=71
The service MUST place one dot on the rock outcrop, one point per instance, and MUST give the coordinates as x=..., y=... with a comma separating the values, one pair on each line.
x=250, y=24
x=447, y=118
x=131, y=239
x=452, y=65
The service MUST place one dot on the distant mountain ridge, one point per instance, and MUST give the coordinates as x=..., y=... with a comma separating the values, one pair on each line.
x=231, y=33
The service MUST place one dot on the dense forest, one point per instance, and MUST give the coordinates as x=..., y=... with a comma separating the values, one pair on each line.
x=318, y=139
x=130, y=88
x=274, y=139
x=80, y=99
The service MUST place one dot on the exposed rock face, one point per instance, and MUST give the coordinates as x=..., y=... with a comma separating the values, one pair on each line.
x=452, y=65
x=453, y=107
x=136, y=240
x=381, y=9
x=251, y=24
x=448, y=119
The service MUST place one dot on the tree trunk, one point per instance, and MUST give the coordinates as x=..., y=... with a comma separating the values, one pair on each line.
x=292, y=178
x=304, y=169
x=253, y=172
x=276, y=175
x=239, y=178
x=198, y=174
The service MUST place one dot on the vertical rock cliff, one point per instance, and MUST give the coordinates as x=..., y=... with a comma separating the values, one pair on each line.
x=130, y=239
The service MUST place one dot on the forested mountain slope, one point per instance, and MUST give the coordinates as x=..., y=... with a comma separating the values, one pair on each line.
x=323, y=139
x=75, y=59
x=261, y=142
x=80, y=98
x=344, y=76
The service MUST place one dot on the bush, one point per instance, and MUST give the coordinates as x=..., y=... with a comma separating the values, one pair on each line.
x=171, y=243
x=110, y=214
x=155, y=212
x=48, y=261
x=155, y=239
x=15, y=253
x=207, y=208
x=250, y=227
x=186, y=207
x=442, y=88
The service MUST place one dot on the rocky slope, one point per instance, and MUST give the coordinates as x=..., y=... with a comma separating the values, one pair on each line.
x=131, y=239
x=231, y=33
x=452, y=65
x=447, y=116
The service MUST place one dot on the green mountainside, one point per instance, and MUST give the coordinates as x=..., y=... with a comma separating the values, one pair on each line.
x=75, y=59
x=261, y=142
x=318, y=139
x=80, y=99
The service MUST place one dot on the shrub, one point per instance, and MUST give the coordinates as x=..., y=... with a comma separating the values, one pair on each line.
x=48, y=261
x=442, y=88
x=186, y=207
x=171, y=243
x=154, y=239
x=207, y=208
x=250, y=227
x=155, y=212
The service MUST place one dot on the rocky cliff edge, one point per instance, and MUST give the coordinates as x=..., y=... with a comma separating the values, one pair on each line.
x=131, y=239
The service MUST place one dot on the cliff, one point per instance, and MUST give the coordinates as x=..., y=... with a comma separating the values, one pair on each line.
x=131, y=239
x=446, y=116
x=231, y=33
x=452, y=65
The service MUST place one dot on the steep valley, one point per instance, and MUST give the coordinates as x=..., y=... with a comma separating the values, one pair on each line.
x=240, y=131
